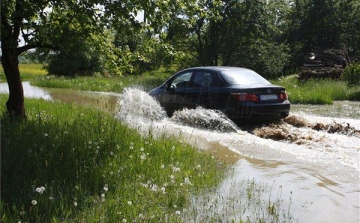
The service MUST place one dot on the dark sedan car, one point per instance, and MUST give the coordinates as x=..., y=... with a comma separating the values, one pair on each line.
x=238, y=92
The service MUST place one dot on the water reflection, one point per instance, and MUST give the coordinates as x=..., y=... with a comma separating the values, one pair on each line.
x=29, y=91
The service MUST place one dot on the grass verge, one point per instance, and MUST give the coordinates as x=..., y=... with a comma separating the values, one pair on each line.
x=68, y=163
x=323, y=91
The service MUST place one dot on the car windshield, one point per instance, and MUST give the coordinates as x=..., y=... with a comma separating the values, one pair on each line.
x=243, y=77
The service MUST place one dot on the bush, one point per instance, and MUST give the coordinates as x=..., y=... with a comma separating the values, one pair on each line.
x=351, y=74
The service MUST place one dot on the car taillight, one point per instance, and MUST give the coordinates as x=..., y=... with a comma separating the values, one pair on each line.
x=245, y=97
x=283, y=96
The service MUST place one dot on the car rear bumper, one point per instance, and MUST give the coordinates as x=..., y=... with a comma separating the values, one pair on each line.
x=259, y=111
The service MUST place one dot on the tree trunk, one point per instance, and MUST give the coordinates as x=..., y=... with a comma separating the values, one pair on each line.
x=10, y=62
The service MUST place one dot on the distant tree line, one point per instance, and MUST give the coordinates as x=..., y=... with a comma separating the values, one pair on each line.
x=271, y=37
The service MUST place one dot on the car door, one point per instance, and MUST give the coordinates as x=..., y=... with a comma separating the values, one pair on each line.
x=175, y=90
x=198, y=92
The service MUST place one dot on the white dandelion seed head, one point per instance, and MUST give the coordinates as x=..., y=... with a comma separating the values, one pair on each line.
x=106, y=188
x=187, y=181
x=75, y=204
x=177, y=212
x=162, y=166
x=176, y=169
x=129, y=203
x=34, y=202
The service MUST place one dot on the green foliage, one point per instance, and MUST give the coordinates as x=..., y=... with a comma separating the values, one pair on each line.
x=69, y=163
x=351, y=74
x=326, y=24
x=316, y=91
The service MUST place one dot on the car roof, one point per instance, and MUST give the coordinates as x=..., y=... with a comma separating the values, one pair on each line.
x=217, y=68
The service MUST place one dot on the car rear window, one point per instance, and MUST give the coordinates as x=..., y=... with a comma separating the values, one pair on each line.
x=243, y=77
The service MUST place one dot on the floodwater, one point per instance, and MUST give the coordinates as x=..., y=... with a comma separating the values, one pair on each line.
x=305, y=168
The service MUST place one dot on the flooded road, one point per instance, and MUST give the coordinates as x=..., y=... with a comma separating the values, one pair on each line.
x=305, y=168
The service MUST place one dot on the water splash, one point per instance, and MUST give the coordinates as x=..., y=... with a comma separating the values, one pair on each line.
x=205, y=119
x=137, y=104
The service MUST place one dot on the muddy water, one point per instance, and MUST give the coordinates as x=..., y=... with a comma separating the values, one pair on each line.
x=303, y=169
x=306, y=167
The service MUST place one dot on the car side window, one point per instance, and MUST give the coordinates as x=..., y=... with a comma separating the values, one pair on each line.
x=181, y=81
x=202, y=79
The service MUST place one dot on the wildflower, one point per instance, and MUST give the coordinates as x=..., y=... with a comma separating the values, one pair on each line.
x=187, y=181
x=40, y=190
x=143, y=157
x=163, y=190
x=162, y=166
x=154, y=187
x=177, y=212
x=34, y=202
x=141, y=216
x=75, y=204
x=142, y=149
x=106, y=188
x=46, y=135
x=124, y=220
x=129, y=203
x=102, y=195
x=176, y=169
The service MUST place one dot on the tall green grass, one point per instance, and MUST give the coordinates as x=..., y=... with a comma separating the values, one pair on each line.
x=68, y=163
x=323, y=91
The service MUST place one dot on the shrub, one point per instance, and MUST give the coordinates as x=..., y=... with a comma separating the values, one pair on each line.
x=351, y=74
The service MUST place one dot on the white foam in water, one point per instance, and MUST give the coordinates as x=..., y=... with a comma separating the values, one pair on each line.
x=204, y=119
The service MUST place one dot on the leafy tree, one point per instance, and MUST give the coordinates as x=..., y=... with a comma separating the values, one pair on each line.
x=310, y=24
x=349, y=19
x=51, y=24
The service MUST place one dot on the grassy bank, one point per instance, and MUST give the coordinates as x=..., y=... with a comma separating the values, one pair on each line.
x=71, y=164
x=317, y=91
